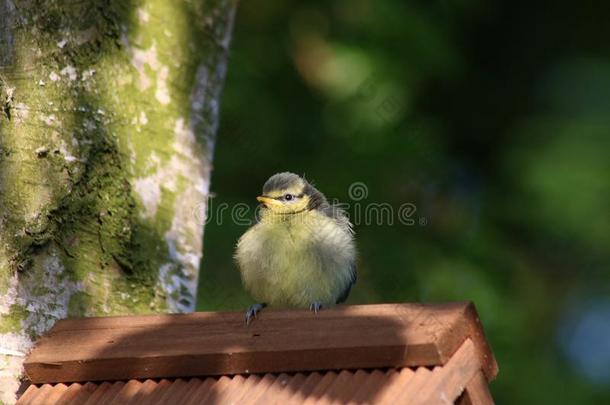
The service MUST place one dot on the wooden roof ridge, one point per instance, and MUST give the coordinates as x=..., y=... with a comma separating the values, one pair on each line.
x=279, y=341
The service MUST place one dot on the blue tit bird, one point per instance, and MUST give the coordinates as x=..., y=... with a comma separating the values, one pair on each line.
x=301, y=253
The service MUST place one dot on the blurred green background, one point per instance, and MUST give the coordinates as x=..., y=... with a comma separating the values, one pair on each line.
x=492, y=118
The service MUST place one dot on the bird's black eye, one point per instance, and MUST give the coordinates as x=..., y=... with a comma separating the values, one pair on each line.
x=288, y=197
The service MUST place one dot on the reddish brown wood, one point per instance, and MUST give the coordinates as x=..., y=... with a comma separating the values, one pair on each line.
x=448, y=382
x=411, y=391
x=477, y=392
x=30, y=393
x=217, y=343
x=469, y=325
x=395, y=383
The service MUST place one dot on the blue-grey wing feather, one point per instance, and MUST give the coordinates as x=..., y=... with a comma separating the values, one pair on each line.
x=345, y=293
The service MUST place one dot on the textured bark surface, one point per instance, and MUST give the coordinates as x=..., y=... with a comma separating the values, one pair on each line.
x=108, y=111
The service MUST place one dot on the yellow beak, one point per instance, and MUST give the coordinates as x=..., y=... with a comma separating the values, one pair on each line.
x=268, y=201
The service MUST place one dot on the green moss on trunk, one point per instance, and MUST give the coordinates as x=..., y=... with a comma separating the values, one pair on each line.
x=108, y=111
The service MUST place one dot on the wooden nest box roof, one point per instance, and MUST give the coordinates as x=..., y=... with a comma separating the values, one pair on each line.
x=374, y=354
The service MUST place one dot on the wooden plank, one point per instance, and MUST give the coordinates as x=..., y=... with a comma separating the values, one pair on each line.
x=216, y=343
x=410, y=393
x=40, y=395
x=477, y=392
x=468, y=326
x=366, y=393
x=294, y=384
x=27, y=396
x=448, y=382
x=395, y=383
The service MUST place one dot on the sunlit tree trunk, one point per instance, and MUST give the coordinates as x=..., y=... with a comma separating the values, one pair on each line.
x=108, y=112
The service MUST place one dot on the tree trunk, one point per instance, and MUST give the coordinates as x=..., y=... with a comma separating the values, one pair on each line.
x=109, y=110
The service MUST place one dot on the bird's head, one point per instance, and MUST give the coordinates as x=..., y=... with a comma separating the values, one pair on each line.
x=288, y=193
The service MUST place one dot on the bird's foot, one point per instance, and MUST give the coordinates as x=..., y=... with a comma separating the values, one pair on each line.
x=315, y=307
x=252, y=311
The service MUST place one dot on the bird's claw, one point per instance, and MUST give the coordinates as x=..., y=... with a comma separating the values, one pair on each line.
x=315, y=307
x=252, y=311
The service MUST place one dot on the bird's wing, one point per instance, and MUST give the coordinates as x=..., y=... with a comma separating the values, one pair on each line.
x=339, y=215
x=354, y=276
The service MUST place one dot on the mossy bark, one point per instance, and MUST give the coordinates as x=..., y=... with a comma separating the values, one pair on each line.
x=108, y=112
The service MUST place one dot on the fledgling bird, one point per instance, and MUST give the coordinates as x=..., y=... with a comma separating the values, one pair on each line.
x=301, y=253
